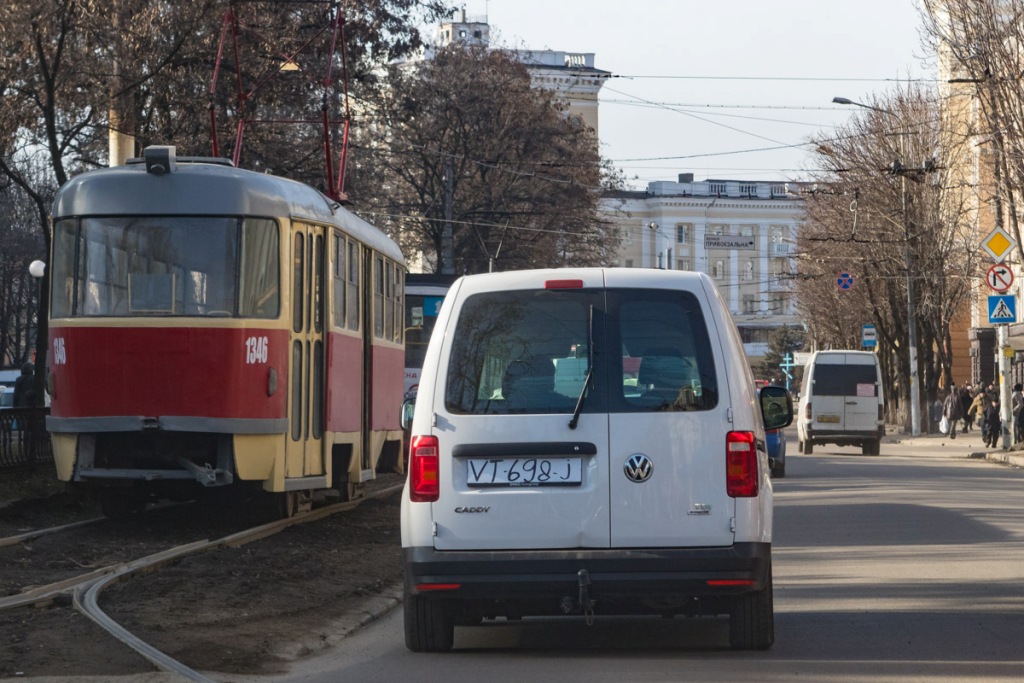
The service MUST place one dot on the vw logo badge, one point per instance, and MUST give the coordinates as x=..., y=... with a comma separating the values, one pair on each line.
x=638, y=468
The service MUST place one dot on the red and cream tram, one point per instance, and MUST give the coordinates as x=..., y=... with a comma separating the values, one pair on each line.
x=213, y=326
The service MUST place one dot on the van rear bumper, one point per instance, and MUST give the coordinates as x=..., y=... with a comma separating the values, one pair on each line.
x=844, y=437
x=619, y=580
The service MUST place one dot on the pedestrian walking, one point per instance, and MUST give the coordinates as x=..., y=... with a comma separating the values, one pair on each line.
x=1017, y=408
x=977, y=412
x=24, y=393
x=965, y=400
x=993, y=425
x=952, y=410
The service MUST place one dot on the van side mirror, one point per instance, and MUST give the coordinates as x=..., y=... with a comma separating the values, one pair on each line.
x=776, y=407
x=408, y=408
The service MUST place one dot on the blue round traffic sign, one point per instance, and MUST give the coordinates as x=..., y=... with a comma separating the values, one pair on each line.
x=844, y=281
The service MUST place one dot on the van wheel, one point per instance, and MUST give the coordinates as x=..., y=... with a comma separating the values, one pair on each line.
x=806, y=447
x=752, y=619
x=429, y=626
x=873, y=447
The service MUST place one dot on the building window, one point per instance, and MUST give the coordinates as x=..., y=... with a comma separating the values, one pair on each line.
x=778, y=190
x=750, y=304
x=717, y=188
x=748, y=190
x=627, y=236
x=683, y=264
x=718, y=270
x=683, y=233
x=748, y=270
x=747, y=231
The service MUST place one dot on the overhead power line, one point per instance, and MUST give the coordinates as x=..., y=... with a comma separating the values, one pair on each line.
x=781, y=78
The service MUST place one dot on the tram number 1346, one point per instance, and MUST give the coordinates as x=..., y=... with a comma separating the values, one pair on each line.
x=524, y=472
x=256, y=350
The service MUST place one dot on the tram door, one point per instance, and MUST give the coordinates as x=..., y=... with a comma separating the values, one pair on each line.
x=304, y=452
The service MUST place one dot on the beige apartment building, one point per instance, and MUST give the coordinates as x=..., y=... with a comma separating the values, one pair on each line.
x=571, y=76
x=741, y=233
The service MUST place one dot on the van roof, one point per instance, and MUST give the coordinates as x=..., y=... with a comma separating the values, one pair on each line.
x=590, y=277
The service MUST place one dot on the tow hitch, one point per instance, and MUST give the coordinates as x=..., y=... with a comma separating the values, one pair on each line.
x=583, y=603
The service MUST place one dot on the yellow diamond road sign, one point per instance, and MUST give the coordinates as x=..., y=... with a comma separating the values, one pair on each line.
x=998, y=244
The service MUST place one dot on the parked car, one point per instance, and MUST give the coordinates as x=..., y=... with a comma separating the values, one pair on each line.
x=588, y=441
x=775, y=439
x=6, y=397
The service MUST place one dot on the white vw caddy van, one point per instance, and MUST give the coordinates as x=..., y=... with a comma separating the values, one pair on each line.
x=588, y=442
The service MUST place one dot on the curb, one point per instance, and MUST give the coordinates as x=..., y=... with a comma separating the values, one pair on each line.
x=370, y=609
x=1005, y=458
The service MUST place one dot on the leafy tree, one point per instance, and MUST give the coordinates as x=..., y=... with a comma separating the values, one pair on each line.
x=465, y=135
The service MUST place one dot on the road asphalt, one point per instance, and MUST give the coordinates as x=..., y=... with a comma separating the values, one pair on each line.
x=894, y=443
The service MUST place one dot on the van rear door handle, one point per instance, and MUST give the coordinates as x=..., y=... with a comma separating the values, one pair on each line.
x=851, y=403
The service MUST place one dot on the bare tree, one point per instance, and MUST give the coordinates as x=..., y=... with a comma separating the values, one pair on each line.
x=72, y=70
x=463, y=140
x=892, y=214
x=981, y=45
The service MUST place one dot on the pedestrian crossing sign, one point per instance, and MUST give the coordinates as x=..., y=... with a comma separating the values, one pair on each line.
x=1002, y=309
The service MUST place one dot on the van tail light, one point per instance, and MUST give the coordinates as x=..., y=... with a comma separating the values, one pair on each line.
x=423, y=464
x=881, y=412
x=741, y=472
x=807, y=411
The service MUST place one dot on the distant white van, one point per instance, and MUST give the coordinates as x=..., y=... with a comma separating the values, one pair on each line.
x=588, y=442
x=841, y=402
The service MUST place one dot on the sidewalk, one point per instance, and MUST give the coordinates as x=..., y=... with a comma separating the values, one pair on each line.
x=967, y=445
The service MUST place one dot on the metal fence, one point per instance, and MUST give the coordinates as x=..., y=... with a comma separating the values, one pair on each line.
x=24, y=440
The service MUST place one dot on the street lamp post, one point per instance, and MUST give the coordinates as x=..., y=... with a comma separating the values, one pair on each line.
x=37, y=269
x=915, y=391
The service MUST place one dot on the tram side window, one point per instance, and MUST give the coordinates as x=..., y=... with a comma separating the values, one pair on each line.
x=388, y=312
x=259, y=293
x=352, y=287
x=378, y=297
x=389, y=300
x=62, y=270
x=399, y=308
x=338, y=280
x=345, y=281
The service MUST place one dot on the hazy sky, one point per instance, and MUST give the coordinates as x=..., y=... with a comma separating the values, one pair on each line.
x=778, y=64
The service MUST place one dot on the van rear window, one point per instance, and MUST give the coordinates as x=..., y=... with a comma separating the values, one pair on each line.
x=845, y=380
x=530, y=351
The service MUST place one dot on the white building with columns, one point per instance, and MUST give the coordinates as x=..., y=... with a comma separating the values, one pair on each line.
x=741, y=233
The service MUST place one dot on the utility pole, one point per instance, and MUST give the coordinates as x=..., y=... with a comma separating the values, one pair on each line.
x=447, y=237
x=897, y=168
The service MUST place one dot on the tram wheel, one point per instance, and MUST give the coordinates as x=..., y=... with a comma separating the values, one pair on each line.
x=351, y=491
x=291, y=503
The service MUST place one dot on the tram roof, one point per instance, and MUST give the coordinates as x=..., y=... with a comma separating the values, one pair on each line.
x=208, y=189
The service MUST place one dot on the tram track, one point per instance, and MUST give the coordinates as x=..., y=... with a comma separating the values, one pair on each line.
x=86, y=588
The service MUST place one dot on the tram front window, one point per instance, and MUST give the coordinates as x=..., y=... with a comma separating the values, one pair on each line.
x=162, y=266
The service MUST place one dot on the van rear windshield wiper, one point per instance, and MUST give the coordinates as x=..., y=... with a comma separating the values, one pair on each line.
x=590, y=369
